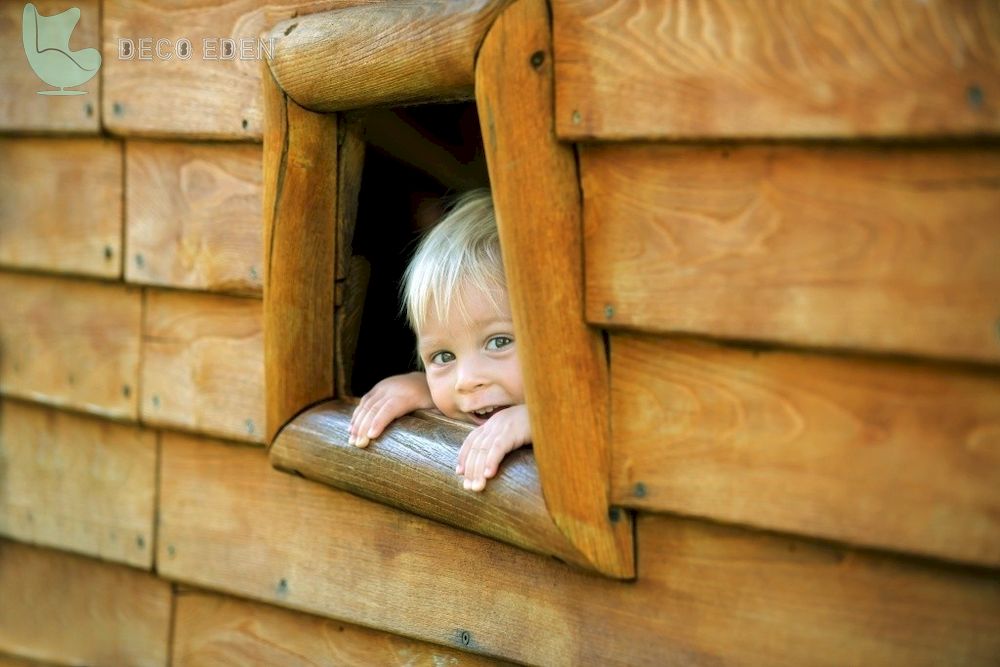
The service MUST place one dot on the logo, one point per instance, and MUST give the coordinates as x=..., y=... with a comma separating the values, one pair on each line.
x=46, y=43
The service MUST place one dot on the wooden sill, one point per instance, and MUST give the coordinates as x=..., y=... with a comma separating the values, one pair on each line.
x=412, y=467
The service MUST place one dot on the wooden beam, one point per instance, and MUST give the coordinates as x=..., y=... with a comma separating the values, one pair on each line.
x=300, y=212
x=203, y=364
x=875, y=452
x=700, y=69
x=62, y=203
x=77, y=483
x=891, y=249
x=386, y=53
x=706, y=593
x=537, y=199
x=193, y=213
x=412, y=467
x=72, y=610
x=212, y=629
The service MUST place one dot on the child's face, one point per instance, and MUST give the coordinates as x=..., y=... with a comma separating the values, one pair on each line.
x=472, y=369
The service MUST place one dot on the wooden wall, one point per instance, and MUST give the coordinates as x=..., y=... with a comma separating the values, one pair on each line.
x=802, y=329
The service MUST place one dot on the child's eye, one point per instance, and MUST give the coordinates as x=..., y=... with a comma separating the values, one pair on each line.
x=499, y=342
x=442, y=357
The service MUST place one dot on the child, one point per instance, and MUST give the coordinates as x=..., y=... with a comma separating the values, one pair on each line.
x=455, y=296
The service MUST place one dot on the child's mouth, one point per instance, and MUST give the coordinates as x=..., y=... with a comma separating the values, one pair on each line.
x=482, y=416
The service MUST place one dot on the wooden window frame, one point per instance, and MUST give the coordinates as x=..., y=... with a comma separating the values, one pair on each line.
x=500, y=53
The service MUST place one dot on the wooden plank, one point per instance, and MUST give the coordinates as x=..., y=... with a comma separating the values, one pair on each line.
x=208, y=95
x=828, y=68
x=22, y=109
x=879, y=453
x=387, y=53
x=352, y=271
x=60, y=204
x=220, y=630
x=891, y=249
x=300, y=255
x=412, y=467
x=70, y=343
x=705, y=592
x=203, y=364
x=537, y=200
x=74, y=610
x=77, y=483
x=193, y=213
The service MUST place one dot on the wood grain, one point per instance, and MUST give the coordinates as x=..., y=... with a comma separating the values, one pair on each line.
x=352, y=271
x=831, y=68
x=537, y=200
x=193, y=213
x=77, y=483
x=300, y=255
x=70, y=343
x=889, y=249
x=60, y=204
x=22, y=109
x=203, y=364
x=412, y=467
x=73, y=610
x=219, y=630
x=893, y=455
x=204, y=96
x=387, y=53
x=705, y=593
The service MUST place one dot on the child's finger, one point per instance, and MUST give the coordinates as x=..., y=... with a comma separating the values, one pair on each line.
x=463, y=453
x=492, y=461
x=364, y=423
x=474, y=480
x=382, y=417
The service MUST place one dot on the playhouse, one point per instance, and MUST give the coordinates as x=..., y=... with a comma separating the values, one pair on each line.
x=753, y=255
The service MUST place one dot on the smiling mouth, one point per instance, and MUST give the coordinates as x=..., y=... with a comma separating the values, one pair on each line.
x=482, y=416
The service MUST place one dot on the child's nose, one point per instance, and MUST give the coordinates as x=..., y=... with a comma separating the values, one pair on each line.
x=469, y=377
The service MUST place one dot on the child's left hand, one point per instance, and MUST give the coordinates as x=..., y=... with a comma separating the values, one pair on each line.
x=484, y=448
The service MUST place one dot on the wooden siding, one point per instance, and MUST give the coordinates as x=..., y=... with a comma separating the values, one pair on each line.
x=204, y=96
x=704, y=593
x=895, y=455
x=214, y=630
x=22, y=109
x=193, y=215
x=70, y=343
x=61, y=204
x=890, y=248
x=77, y=483
x=826, y=68
x=203, y=364
x=73, y=610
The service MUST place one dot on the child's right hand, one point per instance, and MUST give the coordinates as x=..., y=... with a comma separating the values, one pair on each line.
x=391, y=398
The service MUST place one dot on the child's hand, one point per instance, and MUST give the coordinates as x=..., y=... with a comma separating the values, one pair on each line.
x=391, y=398
x=484, y=448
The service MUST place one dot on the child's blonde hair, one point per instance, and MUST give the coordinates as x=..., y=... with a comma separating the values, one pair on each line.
x=462, y=252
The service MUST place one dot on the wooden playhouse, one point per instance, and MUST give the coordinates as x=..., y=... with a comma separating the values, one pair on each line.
x=754, y=258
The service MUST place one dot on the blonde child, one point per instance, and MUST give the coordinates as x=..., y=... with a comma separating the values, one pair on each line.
x=455, y=296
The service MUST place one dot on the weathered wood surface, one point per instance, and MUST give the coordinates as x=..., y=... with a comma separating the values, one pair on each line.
x=537, y=200
x=832, y=68
x=411, y=467
x=300, y=255
x=705, y=592
x=887, y=454
x=387, y=53
x=61, y=203
x=22, y=109
x=193, y=214
x=73, y=610
x=219, y=630
x=203, y=364
x=889, y=249
x=77, y=483
x=207, y=95
x=70, y=343
x=18, y=661
x=352, y=292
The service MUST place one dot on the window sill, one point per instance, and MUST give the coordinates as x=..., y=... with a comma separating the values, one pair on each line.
x=412, y=467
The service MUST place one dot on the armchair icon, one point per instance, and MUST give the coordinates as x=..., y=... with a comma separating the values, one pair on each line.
x=46, y=43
